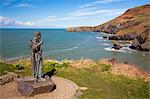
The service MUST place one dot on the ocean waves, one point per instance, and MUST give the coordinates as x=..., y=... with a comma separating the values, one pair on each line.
x=122, y=50
x=61, y=50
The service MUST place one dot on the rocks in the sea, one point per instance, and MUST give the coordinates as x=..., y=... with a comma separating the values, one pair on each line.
x=141, y=42
x=105, y=37
x=116, y=45
x=10, y=76
x=130, y=36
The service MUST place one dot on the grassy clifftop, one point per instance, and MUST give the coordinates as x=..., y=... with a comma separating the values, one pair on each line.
x=99, y=77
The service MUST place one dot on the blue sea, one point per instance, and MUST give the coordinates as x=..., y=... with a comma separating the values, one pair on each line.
x=60, y=44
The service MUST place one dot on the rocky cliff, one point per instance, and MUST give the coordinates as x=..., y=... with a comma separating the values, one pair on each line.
x=134, y=20
x=128, y=26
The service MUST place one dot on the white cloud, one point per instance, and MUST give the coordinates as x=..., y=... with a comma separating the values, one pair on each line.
x=98, y=2
x=52, y=19
x=16, y=3
x=6, y=21
x=86, y=5
x=96, y=12
x=105, y=1
x=24, y=5
x=28, y=23
x=80, y=17
x=7, y=2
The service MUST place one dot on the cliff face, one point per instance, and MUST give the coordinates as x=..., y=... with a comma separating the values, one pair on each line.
x=132, y=23
x=134, y=20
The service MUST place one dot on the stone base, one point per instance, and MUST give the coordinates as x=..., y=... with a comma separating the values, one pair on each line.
x=28, y=86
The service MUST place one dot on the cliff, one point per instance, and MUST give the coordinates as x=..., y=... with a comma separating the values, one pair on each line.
x=128, y=26
x=134, y=20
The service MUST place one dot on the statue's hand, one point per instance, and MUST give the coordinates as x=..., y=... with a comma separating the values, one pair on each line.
x=39, y=44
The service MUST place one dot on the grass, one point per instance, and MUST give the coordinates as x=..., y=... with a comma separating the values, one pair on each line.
x=100, y=82
x=105, y=85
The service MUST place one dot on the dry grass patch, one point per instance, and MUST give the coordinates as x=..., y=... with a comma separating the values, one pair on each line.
x=83, y=63
x=127, y=69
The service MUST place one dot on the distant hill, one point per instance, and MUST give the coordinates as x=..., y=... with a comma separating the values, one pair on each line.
x=133, y=22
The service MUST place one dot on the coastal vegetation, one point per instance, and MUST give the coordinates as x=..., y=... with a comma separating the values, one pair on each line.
x=97, y=76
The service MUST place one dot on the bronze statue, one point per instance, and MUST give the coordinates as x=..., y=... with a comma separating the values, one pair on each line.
x=28, y=86
x=36, y=55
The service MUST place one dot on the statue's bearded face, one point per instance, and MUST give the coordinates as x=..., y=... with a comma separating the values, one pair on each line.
x=37, y=35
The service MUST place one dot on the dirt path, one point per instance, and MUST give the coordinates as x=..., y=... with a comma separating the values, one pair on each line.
x=65, y=89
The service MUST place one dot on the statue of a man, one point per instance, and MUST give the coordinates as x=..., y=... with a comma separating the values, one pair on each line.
x=36, y=55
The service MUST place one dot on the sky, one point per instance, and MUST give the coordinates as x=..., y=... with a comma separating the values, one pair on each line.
x=61, y=13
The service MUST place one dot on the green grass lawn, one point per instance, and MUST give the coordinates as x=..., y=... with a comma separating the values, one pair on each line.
x=100, y=84
x=105, y=85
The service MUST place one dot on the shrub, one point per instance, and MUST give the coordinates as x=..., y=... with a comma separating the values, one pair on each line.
x=51, y=64
x=105, y=67
x=6, y=67
x=19, y=67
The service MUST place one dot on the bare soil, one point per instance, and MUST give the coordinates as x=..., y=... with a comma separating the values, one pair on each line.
x=65, y=89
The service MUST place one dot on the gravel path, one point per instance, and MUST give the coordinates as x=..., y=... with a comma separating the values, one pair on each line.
x=65, y=89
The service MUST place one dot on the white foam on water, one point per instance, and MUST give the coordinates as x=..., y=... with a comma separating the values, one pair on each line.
x=100, y=38
x=114, y=50
x=122, y=50
x=105, y=44
x=14, y=58
x=61, y=50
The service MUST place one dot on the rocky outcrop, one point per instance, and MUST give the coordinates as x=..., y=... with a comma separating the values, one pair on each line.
x=130, y=36
x=132, y=25
x=80, y=29
x=125, y=27
x=116, y=45
x=142, y=41
x=10, y=76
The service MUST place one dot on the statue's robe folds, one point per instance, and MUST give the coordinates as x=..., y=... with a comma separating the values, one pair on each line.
x=36, y=59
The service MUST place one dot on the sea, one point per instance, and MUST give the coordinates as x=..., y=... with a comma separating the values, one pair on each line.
x=60, y=44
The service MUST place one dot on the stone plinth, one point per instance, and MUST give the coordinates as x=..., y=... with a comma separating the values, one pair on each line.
x=28, y=86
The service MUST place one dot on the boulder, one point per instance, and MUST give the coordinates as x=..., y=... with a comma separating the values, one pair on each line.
x=10, y=76
x=141, y=42
x=116, y=45
x=105, y=37
x=29, y=86
x=146, y=46
x=135, y=44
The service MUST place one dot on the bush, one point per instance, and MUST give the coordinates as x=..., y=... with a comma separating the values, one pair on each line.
x=105, y=67
x=52, y=64
x=6, y=67
x=19, y=67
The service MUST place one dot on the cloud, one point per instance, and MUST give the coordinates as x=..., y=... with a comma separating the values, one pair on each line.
x=105, y=1
x=6, y=21
x=86, y=5
x=80, y=16
x=24, y=5
x=87, y=14
x=8, y=2
x=16, y=3
x=98, y=2
x=52, y=19
x=96, y=12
